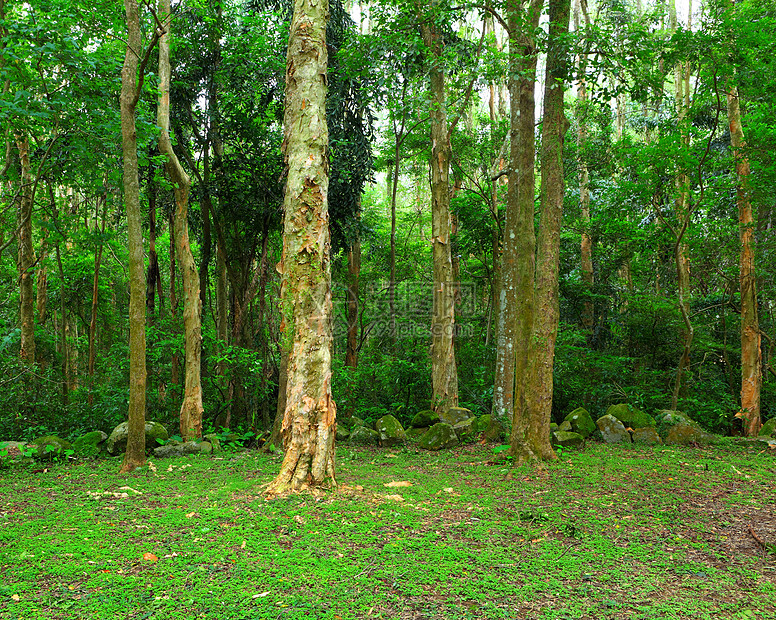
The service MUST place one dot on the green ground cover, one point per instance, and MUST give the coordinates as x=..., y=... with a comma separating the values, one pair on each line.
x=609, y=532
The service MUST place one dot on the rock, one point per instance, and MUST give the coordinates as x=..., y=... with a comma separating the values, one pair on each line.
x=647, y=435
x=363, y=436
x=567, y=438
x=768, y=429
x=390, y=431
x=177, y=448
x=415, y=433
x=12, y=449
x=495, y=430
x=90, y=444
x=612, y=430
x=553, y=427
x=465, y=430
x=677, y=428
x=50, y=445
x=482, y=423
x=630, y=416
x=213, y=440
x=581, y=421
x=343, y=434
x=117, y=442
x=565, y=426
x=438, y=437
x=455, y=415
x=356, y=421
x=424, y=418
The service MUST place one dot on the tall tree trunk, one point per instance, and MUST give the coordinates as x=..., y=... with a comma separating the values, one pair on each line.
x=191, y=407
x=95, y=301
x=135, y=455
x=351, y=350
x=586, y=245
x=153, y=276
x=545, y=329
x=523, y=21
x=175, y=361
x=683, y=212
x=309, y=421
x=26, y=255
x=65, y=352
x=751, y=352
x=444, y=373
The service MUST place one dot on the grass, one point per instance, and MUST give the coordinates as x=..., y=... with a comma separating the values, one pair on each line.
x=610, y=532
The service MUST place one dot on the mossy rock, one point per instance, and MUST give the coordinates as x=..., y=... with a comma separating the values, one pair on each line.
x=50, y=445
x=155, y=434
x=177, y=448
x=565, y=427
x=612, y=430
x=413, y=434
x=438, y=437
x=12, y=449
x=581, y=421
x=356, y=421
x=465, y=430
x=424, y=419
x=455, y=415
x=482, y=423
x=90, y=444
x=768, y=429
x=553, y=427
x=677, y=428
x=647, y=435
x=343, y=434
x=390, y=431
x=495, y=430
x=630, y=416
x=567, y=439
x=363, y=436
x=214, y=441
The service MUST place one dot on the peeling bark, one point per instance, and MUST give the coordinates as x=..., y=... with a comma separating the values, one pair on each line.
x=191, y=408
x=444, y=372
x=309, y=420
x=751, y=351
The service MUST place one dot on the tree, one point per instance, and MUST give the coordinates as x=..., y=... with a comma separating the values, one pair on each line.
x=309, y=421
x=131, y=84
x=545, y=329
x=191, y=408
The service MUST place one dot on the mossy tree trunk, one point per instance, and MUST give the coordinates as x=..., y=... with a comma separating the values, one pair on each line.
x=554, y=125
x=523, y=20
x=191, y=407
x=309, y=421
x=135, y=454
x=26, y=255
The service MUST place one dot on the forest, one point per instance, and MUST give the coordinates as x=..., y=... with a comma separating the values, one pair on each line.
x=516, y=209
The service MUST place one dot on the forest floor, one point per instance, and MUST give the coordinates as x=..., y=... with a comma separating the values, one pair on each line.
x=608, y=532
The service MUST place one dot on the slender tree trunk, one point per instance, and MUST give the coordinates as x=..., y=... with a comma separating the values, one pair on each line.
x=175, y=361
x=751, y=351
x=135, y=455
x=66, y=370
x=153, y=276
x=309, y=422
x=26, y=255
x=351, y=350
x=523, y=21
x=586, y=245
x=191, y=407
x=444, y=373
x=95, y=302
x=683, y=212
x=554, y=127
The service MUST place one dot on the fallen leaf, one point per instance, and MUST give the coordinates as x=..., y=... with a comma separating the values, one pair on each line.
x=448, y=489
x=242, y=546
x=397, y=498
x=299, y=519
x=150, y=557
x=15, y=597
x=262, y=595
x=189, y=515
x=398, y=483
